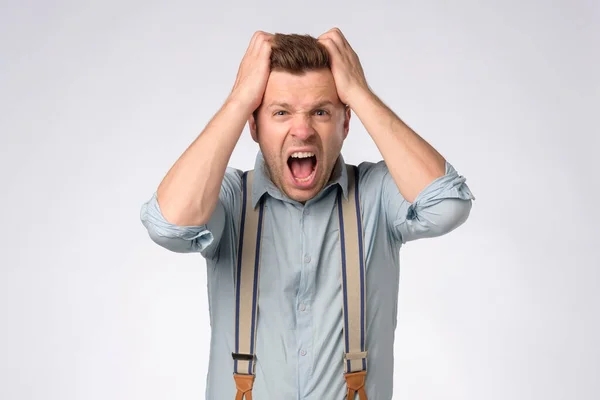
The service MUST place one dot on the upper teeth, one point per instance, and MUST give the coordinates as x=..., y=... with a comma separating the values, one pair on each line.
x=300, y=154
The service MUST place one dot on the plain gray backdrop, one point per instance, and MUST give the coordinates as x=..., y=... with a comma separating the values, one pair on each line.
x=98, y=100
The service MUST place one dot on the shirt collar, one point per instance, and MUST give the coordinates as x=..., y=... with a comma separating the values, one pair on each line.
x=262, y=182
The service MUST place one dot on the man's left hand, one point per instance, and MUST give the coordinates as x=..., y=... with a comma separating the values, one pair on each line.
x=345, y=66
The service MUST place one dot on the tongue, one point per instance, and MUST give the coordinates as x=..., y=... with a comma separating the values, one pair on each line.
x=301, y=167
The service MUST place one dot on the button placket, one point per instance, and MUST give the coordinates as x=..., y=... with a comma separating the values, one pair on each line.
x=305, y=296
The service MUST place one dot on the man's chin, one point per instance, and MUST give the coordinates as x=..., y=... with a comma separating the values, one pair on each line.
x=300, y=196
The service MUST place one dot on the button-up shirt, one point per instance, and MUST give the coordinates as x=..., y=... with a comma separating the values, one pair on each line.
x=299, y=346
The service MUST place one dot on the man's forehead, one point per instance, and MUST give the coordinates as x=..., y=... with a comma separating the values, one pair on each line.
x=308, y=89
x=308, y=103
x=305, y=81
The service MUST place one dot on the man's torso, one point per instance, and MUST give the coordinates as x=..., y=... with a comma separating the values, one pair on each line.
x=299, y=343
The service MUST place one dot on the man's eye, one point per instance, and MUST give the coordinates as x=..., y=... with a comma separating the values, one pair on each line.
x=321, y=112
x=281, y=112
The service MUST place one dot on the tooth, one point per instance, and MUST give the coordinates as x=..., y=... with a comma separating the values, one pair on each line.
x=304, y=154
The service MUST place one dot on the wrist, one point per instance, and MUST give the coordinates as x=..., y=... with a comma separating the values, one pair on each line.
x=361, y=98
x=359, y=95
x=240, y=103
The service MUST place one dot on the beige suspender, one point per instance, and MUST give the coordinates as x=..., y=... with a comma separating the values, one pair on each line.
x=246, y=292
x=352, y=278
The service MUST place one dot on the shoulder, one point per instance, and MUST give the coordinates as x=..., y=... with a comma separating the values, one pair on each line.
x=232, y=182
x=370, y=177
x=371, y=174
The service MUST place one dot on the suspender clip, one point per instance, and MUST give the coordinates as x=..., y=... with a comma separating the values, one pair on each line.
x=242, y=357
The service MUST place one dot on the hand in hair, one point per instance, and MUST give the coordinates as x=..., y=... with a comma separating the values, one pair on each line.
x=253, y=73
x=345, y=65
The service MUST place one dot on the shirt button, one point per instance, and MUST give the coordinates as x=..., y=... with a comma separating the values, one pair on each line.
x=307, y=258
x=306, y=211
x=303, y=353
x=302, y=307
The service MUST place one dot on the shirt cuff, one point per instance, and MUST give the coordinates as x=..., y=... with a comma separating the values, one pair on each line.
x=450, y=186
x=152, y=218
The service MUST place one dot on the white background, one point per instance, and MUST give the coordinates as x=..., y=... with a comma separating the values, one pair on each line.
x=98, y=100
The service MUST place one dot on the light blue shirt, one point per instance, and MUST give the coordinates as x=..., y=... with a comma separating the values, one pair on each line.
x=299, y=344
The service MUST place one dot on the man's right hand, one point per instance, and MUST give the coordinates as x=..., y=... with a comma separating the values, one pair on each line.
x=253, y=72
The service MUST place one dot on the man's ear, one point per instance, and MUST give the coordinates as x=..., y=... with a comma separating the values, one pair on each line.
x=253, y=126
x=347, y=115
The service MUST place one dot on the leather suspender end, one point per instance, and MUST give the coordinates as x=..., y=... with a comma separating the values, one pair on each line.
x=243, y=384
x=355, y=381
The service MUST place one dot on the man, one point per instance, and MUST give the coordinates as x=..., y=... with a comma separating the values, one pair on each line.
x=296, y=93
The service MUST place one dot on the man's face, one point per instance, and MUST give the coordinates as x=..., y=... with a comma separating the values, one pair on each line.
x=301, y=125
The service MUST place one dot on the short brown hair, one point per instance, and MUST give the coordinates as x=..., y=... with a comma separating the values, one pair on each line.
x=297, y=53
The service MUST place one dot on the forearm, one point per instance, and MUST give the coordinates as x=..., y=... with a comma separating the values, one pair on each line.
x=412, y=162
x=189, y=192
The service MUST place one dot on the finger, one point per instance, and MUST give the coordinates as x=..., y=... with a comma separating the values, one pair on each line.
x=326, y=34
x=258, y=38
x=266, y=40
x=337, y=32
x=337, y=38
x=346, y=42
x=251, y=52
x=265, y=48
x=331, y=47
x=252, y=41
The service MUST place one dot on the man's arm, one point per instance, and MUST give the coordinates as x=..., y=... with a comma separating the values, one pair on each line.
x=412, y=162
x=205, y=238
x=423, y=194
x=189, y=192
x=439, y=208
x=187, y=213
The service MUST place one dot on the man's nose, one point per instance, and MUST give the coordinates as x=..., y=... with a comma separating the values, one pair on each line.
x=302, y=128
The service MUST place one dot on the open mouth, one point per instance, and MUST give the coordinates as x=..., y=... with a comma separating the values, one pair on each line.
x=302, y=165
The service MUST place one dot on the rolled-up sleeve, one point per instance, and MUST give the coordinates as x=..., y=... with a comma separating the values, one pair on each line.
x=440, y=207
x=204, y=239
x=180, y=239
